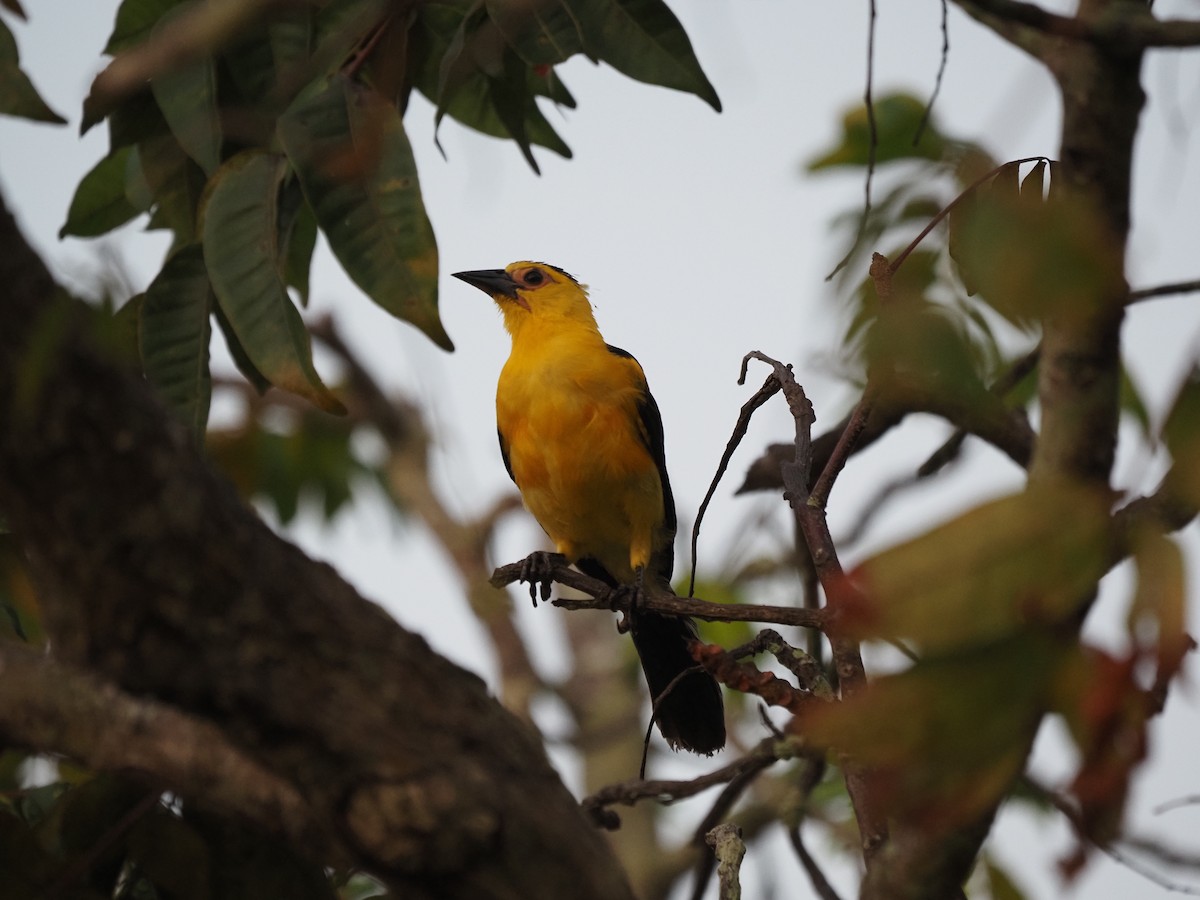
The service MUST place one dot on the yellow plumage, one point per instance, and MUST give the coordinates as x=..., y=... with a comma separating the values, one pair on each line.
x=582, y=438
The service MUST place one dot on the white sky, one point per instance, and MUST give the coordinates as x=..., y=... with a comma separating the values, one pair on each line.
x=701, y=239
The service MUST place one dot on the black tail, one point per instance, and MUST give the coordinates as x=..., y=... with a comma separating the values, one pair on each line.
x=692, y=715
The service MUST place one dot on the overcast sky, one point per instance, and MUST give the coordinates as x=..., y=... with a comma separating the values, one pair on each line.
x=701, y=238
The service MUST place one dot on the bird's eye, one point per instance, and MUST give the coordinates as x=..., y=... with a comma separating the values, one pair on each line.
x=533, y=276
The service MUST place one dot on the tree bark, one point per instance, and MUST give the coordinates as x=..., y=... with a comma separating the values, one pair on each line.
x=155, y=576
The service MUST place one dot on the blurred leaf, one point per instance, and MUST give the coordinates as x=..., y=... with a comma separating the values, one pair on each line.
x=1158, y=615
x=135, y=20
x=945, y=738
x=727, y=634
x=1000, y=884
x=1106, y=711
x=171, y=855
x=174, y=182
x=240, y=228
x=354, y=162
x=26, y=865
x=14, y=6
x=1032, y=258
x=1131, y=402
x=175, y=333
x=250, y=67
x=18, y=96
x=187, y=96
x=360, y=886
x=250, y=865
x=137, y=119
x=1181, y=431
x=313, y=459
x=19, y=615
x=100, y=204
x=897, y=121
x=35, y=805
x=644, y=40
x=1027, y=560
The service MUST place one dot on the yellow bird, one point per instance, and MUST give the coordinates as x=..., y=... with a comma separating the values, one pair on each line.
x=582, y=438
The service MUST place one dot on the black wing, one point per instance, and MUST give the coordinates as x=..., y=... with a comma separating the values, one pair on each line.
x=653, y=439
x=504, y=455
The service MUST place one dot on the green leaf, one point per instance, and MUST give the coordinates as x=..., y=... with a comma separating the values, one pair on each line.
x=459, y=74
x=137, y=119
x=1026, y=560
x=174, y=334
x=1181, y=432
x=298, y=233
x=241, y=358
x=100, y=203
x=18, y=96
x=354, y=162
x=241, y=250
x=174, y=182
x=945, y=738
x=135, y=20
x=542, y=33
x=644, y=40
x=187, y=97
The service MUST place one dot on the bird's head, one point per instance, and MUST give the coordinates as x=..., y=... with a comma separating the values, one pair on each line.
x=533, y=290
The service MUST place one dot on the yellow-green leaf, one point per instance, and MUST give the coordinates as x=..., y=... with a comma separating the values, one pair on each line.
x=1027, y=560
x=945, y=738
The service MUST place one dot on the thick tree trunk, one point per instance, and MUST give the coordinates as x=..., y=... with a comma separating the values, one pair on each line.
x=156, y=577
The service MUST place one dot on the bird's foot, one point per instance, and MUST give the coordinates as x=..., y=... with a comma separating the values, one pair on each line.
x=538, y=570
x=624, y=598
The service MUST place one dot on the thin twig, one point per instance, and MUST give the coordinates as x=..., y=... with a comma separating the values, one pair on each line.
x=941, y=72
x=629, y=793
x=769, y=388
x=819, y=882
x=949, y=207
x=600, y=597
x=1163, y=290
x=872, y=143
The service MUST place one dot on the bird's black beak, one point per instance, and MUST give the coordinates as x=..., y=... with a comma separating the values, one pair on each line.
x=490, y=281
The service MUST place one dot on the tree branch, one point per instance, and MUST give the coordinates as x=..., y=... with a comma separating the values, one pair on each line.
x=156, y=577
x=47, y=705
x=663, y=602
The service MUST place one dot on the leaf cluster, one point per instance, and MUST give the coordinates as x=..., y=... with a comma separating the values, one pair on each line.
x=260, y=126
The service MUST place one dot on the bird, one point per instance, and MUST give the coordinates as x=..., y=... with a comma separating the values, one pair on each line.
x=582, y=437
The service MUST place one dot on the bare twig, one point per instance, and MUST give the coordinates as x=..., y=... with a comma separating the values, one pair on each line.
x=628, y=793
x=1163, y=290
x=729, y=849
x=819, y=882
x=769, y=388
x=949, y=207
x=872, y=142
x=664, y=602
x=941, y=72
